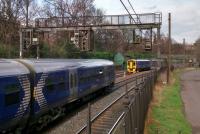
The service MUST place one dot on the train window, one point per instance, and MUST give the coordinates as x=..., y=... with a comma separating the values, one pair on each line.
x=12, y=98
x=61, y=78
x=11, y=88
x=71, y=81
x=50, y=85
x=83, y=80
x=12, y=94
x=75, y=80
x=61, y=85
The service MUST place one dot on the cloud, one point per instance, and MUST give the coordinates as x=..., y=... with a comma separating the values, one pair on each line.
x=185, y=21
x=185, y=14
x=152, y=7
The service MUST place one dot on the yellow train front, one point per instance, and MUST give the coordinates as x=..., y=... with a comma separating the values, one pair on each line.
x=138, y=65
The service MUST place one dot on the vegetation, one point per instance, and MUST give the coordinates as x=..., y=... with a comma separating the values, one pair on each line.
x=20, y=13
x=137, y=55
x=167, y=115
x=7, y=51
x=197, y=50
x=64, y=49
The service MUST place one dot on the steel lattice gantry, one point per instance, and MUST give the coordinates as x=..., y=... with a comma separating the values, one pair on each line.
x=88, y=24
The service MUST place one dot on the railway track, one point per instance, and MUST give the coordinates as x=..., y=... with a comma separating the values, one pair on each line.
x=104, y=122
x=76, y=120
x=119, y=74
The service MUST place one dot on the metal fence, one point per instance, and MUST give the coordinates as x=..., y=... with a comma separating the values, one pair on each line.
x=133, y=120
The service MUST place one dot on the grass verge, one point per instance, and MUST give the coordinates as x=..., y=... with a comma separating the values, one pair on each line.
x=166, y=115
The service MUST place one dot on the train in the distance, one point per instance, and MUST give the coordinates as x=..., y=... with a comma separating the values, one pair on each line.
x=35, y=92
x=138, y=65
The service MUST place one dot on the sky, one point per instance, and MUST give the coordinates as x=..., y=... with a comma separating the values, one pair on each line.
x=185, y=14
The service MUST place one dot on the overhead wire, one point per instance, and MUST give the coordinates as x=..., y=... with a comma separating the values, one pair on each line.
x=129, y=13
x=138, y=18
x=134, y=11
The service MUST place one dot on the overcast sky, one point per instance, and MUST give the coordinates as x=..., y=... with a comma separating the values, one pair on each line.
x=185, y=14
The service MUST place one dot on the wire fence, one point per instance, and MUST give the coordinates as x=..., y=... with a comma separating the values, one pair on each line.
x=132, y=122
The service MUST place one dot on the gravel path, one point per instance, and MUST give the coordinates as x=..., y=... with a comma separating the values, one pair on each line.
x=191, y=97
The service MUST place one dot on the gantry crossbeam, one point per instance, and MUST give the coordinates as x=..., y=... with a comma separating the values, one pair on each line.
x=140, y=21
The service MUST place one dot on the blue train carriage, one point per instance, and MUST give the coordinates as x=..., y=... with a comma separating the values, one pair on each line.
x=34, y=92
x=50, y=88
x=14, y=95
x=137, y=65
x=143, y=65
x=94, y=75
x=158, y=64
x=59, y=82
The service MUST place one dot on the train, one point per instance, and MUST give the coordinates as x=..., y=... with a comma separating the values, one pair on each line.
x=138, y=65
x=36, y=92
x=158, y=64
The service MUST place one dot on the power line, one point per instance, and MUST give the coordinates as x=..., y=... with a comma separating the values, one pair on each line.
x=132, y=16
x=136, y=14
x=134, y=11
x=129, y=12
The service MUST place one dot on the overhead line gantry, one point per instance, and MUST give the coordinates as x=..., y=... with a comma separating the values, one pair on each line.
x=87, y=24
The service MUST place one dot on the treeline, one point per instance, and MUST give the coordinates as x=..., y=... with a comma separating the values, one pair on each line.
x=22, y=13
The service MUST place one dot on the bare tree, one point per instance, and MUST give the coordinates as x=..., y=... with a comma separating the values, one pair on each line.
x=14, y=14
x=74, y=9
x=110, y=40
x=197, y=50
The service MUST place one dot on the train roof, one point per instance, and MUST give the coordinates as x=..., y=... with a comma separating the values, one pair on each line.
x=10, y=67
x=47, y=65
x=95, y=62
x=157, y=59
x=140, y=59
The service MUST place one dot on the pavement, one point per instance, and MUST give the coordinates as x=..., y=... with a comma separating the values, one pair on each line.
x=190, y=82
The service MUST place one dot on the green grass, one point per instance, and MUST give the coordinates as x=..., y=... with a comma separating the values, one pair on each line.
x=168, y=116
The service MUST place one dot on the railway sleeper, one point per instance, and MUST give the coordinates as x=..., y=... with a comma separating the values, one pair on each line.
x=103, y=123
x=100, y=130
x=106, y=119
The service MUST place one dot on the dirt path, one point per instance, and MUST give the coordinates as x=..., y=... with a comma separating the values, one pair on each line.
x=190, y=93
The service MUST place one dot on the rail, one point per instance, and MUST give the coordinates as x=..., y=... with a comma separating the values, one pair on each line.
x=115, y=125
x=120, y=74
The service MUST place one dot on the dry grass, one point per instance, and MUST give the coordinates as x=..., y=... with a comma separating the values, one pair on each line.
x=156, y=100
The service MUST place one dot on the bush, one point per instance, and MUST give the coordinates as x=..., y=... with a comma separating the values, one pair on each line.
x=7, y=51
x=97, y=55
x=136, y=55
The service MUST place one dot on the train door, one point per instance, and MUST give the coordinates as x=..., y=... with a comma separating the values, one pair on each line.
x=73, y=84
x=131, y=66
